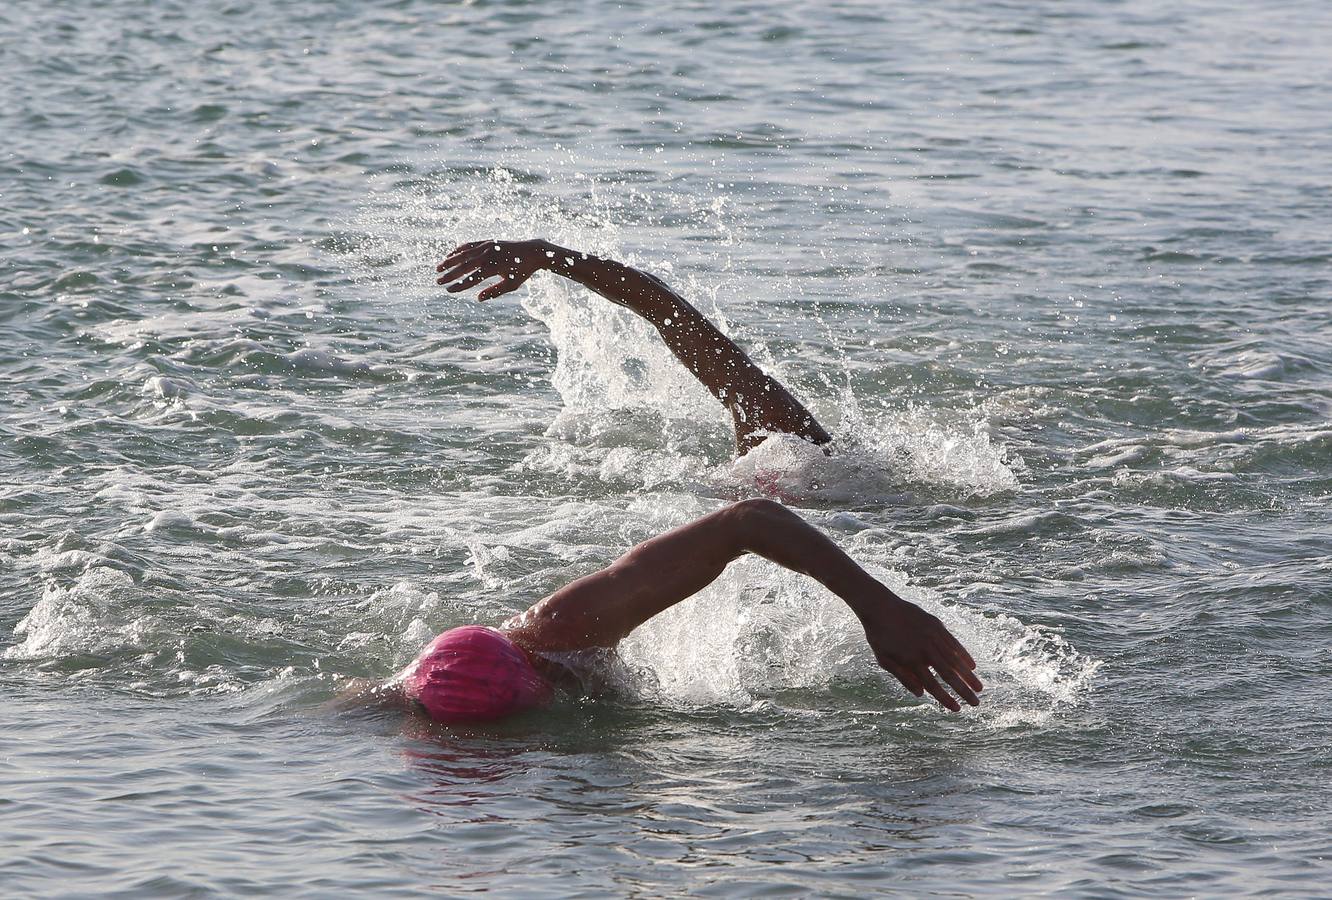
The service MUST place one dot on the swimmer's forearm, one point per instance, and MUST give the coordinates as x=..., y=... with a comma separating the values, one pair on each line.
x=602, y=608
x=908, y=642
x=711, y=356
x=770, y=530
x=756, y=400
x=626, y=286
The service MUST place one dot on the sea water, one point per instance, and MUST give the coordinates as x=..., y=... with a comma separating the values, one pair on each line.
x=1055, y=275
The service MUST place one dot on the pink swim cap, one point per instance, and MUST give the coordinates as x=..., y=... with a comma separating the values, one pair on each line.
x=474, y=673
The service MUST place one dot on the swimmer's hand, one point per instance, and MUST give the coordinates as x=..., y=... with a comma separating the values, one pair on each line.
x=513, y=262
x=908, y=643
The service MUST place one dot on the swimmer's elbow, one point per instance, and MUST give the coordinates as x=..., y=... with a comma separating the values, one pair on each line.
x=757, y=511
x=749, y=518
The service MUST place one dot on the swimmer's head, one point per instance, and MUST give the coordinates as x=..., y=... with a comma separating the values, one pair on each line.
x=472, y=674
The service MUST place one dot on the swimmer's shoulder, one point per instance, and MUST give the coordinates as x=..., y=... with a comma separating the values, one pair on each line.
x=370, y=695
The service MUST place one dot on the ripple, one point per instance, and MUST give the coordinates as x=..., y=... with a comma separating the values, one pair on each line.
x=123, y=177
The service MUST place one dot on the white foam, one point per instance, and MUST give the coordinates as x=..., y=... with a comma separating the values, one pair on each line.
x=879, y=461
x=1252, y=362
x=758, y=630
x=622, y=392
x=1121, y=457
x=88, y=616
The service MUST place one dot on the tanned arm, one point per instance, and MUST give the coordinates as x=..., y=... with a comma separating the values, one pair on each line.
x=600, y=609
x=758, y=403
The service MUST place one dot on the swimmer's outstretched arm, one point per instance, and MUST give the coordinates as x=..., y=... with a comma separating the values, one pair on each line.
x=757, y=402
x=600, y=609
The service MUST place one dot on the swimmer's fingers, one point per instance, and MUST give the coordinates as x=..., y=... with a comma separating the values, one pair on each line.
x=917, y=678
x=480, y=258
x=470, y=281
x=475, y=266
x=509, y=283
x=456, y=263
x=971, y=678
x=936, y=690
x=904, y=675
x=456, y=272
x=955, y=648
x=470, y=264
x=462, y=261
x=458, y=252
x=958, y=684
x=956, y=659
x=469, y=245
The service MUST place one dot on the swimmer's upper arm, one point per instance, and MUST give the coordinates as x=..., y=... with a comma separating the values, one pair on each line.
x=600, y=609
x=366, y=693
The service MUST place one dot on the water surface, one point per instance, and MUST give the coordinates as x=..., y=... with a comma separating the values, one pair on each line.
x=1056, y=275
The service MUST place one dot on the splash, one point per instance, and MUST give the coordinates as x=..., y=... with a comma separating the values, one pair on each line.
x=412, y=222
x=630, y=414
x=101, y=624
x=607, y=359
x=392, y=623
x=876, y=460
x=1031, y=672
x=92, y=615
x=758, y=630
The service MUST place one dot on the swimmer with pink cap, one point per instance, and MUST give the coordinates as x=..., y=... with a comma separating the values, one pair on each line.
x=480, y=674
x=473, y=674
